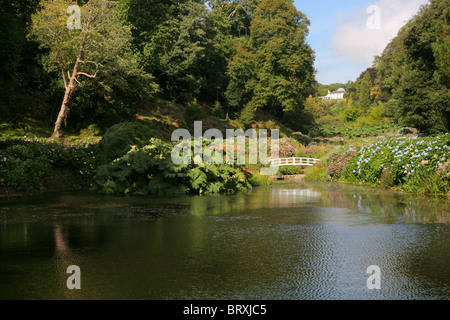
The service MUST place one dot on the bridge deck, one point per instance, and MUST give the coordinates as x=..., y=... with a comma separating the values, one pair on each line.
x=293, y=162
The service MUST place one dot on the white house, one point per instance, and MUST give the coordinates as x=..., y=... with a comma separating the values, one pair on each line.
x=339, y=94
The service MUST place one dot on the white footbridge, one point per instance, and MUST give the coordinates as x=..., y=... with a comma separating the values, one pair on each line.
x=308, y=162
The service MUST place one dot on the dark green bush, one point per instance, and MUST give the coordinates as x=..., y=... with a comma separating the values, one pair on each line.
x=194, y=112
x=118, y=139
x=20, y=175
x=326, y=130
x=21, y=152
x=289, y=171
x=218, y=111
x=27, y=165
x=150, y=170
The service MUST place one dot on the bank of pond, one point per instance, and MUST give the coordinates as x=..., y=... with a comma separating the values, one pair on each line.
x=143, y=165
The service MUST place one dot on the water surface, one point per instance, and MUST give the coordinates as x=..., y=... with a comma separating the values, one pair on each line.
x=287, y=241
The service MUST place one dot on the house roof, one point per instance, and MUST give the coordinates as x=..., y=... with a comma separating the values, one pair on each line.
x=340, y=90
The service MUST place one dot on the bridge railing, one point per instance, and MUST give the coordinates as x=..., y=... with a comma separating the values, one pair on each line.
x=293, y=162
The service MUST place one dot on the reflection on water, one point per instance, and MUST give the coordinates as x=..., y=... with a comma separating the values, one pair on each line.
x=373, y=201
x=287, y=241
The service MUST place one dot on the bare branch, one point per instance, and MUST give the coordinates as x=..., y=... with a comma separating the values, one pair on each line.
x=87, y=75
x=64, y=77
x=236, y=9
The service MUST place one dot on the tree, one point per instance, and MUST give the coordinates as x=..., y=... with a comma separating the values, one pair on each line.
x=99, y=50
x=184, y=63
x=15, y=17
x=441, y=50
x=363, y=92
x=174, y=40
x=242, y=74
x=274, y=69
x=238, y=13
x=321, y=90
x=314, y=108
x=412, y=70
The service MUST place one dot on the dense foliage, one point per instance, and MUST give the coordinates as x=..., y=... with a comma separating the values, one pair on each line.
x=241, y=63
x=413, y=70
x=129, y=52
x=150, y=170
x=119, y=139
x=32, y=164
x=407, y=162
x=326, y=130
x=15, y=60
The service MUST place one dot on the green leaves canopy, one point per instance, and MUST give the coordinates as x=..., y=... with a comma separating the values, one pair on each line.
x=102, y=47
x=274, y=68
x=414, y=67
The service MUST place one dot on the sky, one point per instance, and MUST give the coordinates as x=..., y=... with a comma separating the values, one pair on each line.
x=346, y=35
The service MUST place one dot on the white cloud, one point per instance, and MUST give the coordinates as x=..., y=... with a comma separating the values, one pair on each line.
x=357, y=39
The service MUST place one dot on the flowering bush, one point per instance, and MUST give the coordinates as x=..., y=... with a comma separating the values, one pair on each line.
x=30, y=164
x=412, y=163
x=287, y=147
x=337, y=162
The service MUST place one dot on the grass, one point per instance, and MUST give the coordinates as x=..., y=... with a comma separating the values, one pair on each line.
x=43, y=132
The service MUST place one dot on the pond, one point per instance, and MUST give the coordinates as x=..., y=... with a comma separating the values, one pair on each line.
x=303, y=241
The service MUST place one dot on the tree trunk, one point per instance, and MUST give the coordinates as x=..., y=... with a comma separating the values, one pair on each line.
x=70, y=88
x=64, y=108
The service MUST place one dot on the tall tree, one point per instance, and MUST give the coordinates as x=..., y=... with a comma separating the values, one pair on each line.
x=15, y=18
x=412, y=69
x=100, y=48
x=183, y=64
x=173, y=41
x=281, y=61
x=363, y=91
x=441, y=50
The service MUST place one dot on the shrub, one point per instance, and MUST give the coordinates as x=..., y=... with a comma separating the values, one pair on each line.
x=27, y=165
x=118, y=139
x=288, y=147
x=330, y=120
x=346, y=131
x=25, y=175
x=91, y=130
x=386, y=180
x=217, y=110
x=257, y=180
x=337, y=162
x=149, y=170
x=316, y=173
x=411, y=163
x=194, y=112
x=247, y=116
x=291, y=170
x=351, y=114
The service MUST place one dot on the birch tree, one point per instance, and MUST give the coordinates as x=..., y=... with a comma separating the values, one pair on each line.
x=83, y=44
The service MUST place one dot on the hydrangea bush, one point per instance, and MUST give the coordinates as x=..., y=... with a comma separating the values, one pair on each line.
x=415, y=164
x=31, y=164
